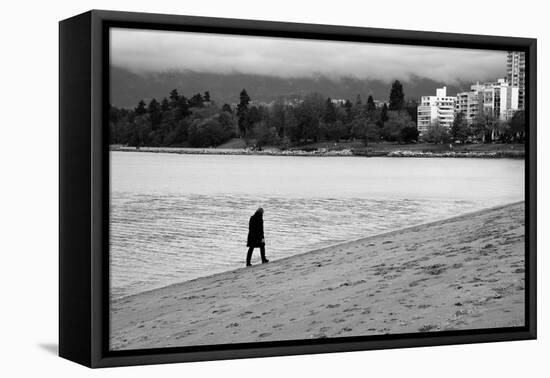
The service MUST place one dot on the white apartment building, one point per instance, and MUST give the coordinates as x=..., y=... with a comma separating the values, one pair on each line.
x=498, y=98
x=515, y=73
x=470, y=102
x=436, y=109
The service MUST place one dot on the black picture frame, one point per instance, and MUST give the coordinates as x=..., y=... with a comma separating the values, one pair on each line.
x=84, y=188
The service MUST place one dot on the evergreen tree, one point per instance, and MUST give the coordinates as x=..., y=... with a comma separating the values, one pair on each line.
x=347, y=106
x=206, y=96
x=358, y=100
x=227, y=108
x=383, y=115
x=164, y=105
x=397, y=97
x=174, y=97
x=242, y=112
x=140, y=109
x=181, y=108
x=329, y=115
x=371, y=106
x=196, y=101
x=154, y=113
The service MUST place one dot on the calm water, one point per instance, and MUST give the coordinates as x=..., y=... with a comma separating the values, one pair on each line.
x=178, y=217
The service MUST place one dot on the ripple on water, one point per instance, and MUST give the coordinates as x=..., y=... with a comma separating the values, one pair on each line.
x=160, y=239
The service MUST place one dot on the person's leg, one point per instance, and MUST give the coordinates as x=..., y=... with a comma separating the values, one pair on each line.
x=262, y=252
x=249, y=255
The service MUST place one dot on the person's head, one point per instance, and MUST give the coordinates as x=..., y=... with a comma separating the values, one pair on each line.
x=260, y=211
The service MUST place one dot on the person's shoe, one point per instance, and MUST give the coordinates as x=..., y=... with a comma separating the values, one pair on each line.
x=248, y=264
x=265, y=261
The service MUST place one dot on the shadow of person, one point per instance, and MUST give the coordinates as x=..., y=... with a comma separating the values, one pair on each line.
x=50, y=348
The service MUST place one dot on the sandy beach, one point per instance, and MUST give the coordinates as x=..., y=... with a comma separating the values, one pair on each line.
x=461, y=273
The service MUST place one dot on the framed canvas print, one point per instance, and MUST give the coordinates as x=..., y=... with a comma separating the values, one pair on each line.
x=234, y=188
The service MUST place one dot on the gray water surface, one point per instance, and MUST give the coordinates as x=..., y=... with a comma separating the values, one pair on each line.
x=178, y=217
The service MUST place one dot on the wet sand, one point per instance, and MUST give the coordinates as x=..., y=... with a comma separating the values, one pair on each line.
x=461, y=273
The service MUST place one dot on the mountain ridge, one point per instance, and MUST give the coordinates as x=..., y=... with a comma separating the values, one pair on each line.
x=128, y=88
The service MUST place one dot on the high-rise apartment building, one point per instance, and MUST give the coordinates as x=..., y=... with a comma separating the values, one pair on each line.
x=515, y=73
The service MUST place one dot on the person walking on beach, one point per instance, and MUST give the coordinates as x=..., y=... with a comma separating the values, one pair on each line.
x=256, y=236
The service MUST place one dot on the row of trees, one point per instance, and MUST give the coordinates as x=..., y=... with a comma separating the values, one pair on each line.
x=317, y=117
x=198, y=121
x=485, y=127
x=174, y=121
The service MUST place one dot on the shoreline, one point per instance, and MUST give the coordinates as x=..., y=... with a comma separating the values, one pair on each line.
x=336, y=245
x=341, y=276
x=325, y=152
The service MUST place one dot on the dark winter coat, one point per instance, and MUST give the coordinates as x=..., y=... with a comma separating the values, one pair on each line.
x=255, y=231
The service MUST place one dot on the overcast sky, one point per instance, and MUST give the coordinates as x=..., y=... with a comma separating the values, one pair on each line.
x=146, y=50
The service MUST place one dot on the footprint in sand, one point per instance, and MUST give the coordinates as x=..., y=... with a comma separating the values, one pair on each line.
x=220, y=311
x=183, y=334
x=354, y=308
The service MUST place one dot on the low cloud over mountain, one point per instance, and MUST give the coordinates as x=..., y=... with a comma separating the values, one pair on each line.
x=127, y=87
